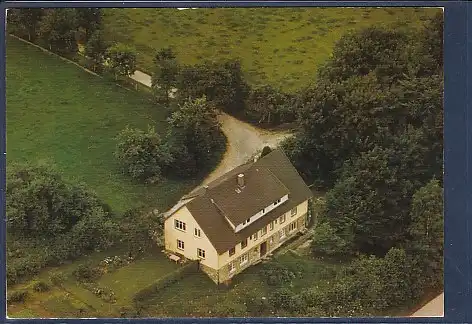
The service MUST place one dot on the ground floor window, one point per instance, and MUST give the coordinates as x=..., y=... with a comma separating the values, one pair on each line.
x=180, y=245
x=244, y=259
x=201, y=253
x=292, y=226
x=231, y=267
x=283, y=233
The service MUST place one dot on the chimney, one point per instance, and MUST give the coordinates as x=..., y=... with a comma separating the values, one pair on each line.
x=241, y=180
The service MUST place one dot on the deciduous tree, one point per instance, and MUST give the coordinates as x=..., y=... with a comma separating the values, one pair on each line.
x=164, y=78
x=58, y=29
x=122, y=60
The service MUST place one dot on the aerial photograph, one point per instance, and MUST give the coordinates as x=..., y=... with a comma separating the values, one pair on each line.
x=224, y=162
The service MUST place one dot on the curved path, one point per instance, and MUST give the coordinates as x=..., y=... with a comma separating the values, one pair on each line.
x=243, y=139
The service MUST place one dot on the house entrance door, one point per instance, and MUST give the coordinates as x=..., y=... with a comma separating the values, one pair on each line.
x=263, y=249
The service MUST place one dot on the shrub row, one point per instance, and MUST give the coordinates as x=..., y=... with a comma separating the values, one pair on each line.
x=165, y=281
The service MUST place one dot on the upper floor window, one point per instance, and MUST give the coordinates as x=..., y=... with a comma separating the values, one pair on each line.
x=201, y=253
x=180, y=245
x=254, y=236
x=232, y=251
x=271, y=226
x=264, y=231
x=197, y=232
x=293, y=212
x=244, y=243
x=282, y=219
x=180, y=225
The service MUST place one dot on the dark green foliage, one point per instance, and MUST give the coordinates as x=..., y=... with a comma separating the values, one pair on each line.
x=267, y=105
x=326, y=242
x=142, y=154
x=57, y=278
x=122, y=60
x=96, y=48
x=371, y=50
x=58, y=29
x=89, y=19
x=41, y=203
x=281, y=298
x=223, y=84
x=18, y=296
x=164, y=77
x=266, y=150
x=86, y=273
x=24, y=22
x=276, y=274
x=41, y=286
x=195, y=136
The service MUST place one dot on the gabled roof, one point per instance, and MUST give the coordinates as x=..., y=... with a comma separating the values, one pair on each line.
x=267, y=179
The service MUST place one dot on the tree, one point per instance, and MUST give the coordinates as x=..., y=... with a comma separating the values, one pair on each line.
x=266, y=150
x=90, y=19
x=25, y=21
x=222, y=84
x=164, y=78
x=122, y=60
x=196, y=123
x=58, y=29
x=326, y=242
x=96, y=48
x=376, y=50
x=42, y=204
x=142, y=154
x=263, y=104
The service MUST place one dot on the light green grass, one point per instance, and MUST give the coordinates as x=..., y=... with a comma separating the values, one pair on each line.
x=279, y=46
x=58, y=112
x=128, y=280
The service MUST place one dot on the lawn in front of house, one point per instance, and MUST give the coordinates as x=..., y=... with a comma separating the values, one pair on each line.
x=203, y=298
x=279, y=46
x=60, y=113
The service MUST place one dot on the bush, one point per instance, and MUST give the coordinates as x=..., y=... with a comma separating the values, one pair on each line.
x=326, y=242
x=164, y=282
x=57, y=278
x=87, y=273
x=281, y=298
x=141, y=154
x=277, y=274
x=18, y=296
x=41, y=286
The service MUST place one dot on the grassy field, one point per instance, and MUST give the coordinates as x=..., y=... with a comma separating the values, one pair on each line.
x=279, y=46
x=60, y=113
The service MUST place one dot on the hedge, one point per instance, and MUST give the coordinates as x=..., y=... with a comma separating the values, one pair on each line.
x=165, y=281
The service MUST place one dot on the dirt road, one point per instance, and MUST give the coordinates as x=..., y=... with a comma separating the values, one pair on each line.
x=244, y=140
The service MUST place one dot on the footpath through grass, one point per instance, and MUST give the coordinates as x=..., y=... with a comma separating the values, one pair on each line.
x=58, y=112
x=279, y=46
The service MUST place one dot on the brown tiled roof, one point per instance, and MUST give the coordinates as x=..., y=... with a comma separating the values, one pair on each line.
x=267, y=179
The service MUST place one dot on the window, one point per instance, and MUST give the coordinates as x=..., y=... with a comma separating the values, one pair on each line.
x=180, y=244
x=254, y=236
x=263, y=210
x=292, y=226
x=294, y=211
x=271, y=240
x=282, y=219
x=244, y=259
x=244, y=243
x=197, y=232
x=180, y=225
x=201, y=253
x=272, y=225
x=277, y=201
x=231, y=267
x=283, y=232
x=232, y=251
x=264, y=231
